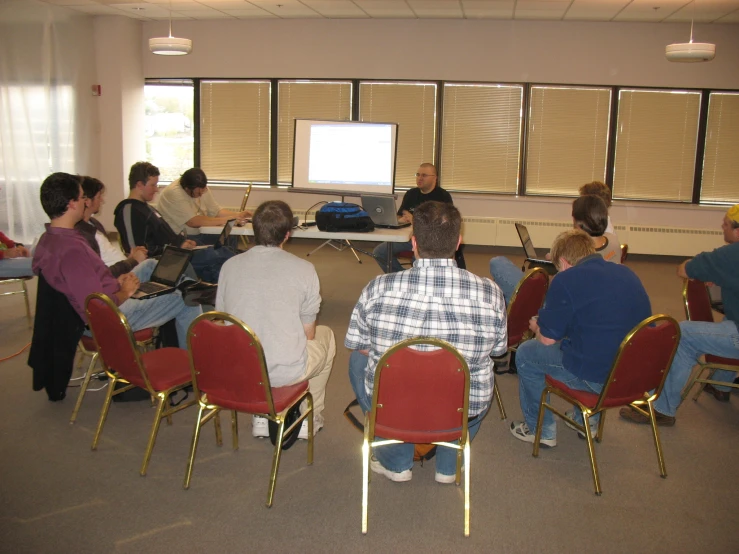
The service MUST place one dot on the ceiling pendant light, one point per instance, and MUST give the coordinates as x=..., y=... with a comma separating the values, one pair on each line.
x=690, y=51
x=170, y=46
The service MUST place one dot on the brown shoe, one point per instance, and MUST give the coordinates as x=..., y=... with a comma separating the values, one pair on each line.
x=630, y=414
x=720, y=395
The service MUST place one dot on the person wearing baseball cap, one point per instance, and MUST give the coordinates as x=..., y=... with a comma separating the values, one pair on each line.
x=720, y=267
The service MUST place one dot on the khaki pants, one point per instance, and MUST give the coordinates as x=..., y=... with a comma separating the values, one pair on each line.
x=321, y=353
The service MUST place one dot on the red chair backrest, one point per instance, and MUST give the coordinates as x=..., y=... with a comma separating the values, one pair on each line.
x=697, y=301
x=419, y=392
x=114, y=339
x=227, y=361
x=525, y=303
x=642, y=362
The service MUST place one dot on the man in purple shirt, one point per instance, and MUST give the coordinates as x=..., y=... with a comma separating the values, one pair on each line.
x=71, y=267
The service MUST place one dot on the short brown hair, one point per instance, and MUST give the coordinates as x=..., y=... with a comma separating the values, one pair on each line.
x=272, y=221
x=141, y=171
x=193, y=178
x=573, y=246
x=590, y=214
x=599, y=189
x=436, y=226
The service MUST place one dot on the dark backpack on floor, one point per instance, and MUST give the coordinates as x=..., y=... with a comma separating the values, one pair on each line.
x=335, y=217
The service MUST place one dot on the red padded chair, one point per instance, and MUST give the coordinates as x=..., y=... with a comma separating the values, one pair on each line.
x=435, y=413
x=698, y=308
x=87, y=347
x=641, y=366
x=161, y=372
x=525, y=303
x=229, y=372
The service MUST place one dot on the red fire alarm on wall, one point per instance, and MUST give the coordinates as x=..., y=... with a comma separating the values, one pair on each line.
x=96, y=90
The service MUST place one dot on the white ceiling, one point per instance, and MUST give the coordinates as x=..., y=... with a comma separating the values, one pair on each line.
x=656, y=11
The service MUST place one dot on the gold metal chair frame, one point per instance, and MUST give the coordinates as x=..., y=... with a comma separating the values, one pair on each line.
x=703, y=366
x=214, y=410
x=244, y=239
x=23, y=291
x=143, y=345
x=370, y=418
x=587, y=412
x=163, y=409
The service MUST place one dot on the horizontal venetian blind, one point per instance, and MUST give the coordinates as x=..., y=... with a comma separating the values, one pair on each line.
x=235, y=130
x=656, y=145
x=720, y=167
x=567, y=140
x=330, y=100
x=413, y=107
x=481, y=137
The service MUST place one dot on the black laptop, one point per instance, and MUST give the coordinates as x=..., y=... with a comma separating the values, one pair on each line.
x=222, y=238
x=382, y=211
x=528, y=247
x=167, y=273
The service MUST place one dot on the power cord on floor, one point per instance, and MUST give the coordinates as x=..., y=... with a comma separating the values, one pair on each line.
x=14, y=355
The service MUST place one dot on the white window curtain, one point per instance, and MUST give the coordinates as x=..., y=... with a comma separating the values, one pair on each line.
x=46, y=123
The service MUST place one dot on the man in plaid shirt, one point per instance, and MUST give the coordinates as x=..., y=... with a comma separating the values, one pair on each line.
x=433, y=299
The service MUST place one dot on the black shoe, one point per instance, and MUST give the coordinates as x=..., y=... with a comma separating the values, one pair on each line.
x=720, y=395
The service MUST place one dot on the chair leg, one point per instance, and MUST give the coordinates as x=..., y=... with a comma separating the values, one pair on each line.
x=365, y=476
x=702, y=386
x=83, y=389
x=657, y=444
x=104, y=412
x=217, y=424
x=540, y=422
x=499, y=400
x=467, y=487
x=591, y=453
x=163, y=399
x=601, y=423
x=275, y=462
x=691, y=384
x=28, y=307
x=309, y=399
x=193, y=447
x=235, y=425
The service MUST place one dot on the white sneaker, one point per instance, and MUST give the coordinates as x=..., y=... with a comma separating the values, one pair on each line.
x=593, y=425
x=520, y=430
x=259, y=427
x=398, y=477
x=303, y=433
x=445, y=479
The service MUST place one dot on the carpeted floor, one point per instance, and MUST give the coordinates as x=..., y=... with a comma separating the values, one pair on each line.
x=58, y=496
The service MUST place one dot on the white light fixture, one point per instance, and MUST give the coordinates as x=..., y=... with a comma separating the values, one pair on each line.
x=690, y=51
x=170, y=46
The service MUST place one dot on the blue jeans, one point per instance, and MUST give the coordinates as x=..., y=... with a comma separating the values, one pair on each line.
x=534, y=361
x=698, y=338
x=380, y=254
x=207, y=262
x=506, y=275
x=399, y=457
x=16, y=267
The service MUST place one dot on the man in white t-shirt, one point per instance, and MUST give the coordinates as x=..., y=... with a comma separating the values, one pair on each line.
x=187, y=204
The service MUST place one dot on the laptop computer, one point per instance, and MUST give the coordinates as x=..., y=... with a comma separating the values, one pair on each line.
x=382, y=211
x=530, y=251
x=222, y=238
x=167, y=273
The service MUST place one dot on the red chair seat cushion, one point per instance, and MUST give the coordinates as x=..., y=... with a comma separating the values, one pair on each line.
x=417, y=437
x=711, y=359
x=282, y=397
x=142, y=335
x=590, y=399
x=167, y=368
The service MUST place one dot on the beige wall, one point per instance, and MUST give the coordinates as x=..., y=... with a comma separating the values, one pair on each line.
x=505, y=51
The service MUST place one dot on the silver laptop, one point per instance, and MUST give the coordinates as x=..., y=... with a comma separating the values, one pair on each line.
x=382, y=211
x=528, y=247
x=222, y=238
x=167, y=273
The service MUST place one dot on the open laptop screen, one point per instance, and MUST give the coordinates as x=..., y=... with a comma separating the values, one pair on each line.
x=528, y=247
x=170, y=266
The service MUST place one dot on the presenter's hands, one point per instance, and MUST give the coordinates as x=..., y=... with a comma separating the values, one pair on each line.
x=406, y=217
x=188, y=244
x=139, y=253
x=129, y=284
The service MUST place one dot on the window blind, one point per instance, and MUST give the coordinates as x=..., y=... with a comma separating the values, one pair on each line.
x=720, y=167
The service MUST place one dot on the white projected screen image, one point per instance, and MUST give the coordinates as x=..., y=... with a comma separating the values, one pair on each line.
x=344, y=157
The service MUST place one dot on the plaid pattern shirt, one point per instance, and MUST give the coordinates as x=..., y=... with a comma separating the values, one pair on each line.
x=433, y=299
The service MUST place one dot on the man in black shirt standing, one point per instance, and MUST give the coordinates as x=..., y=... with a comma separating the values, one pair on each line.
x=426, y=190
